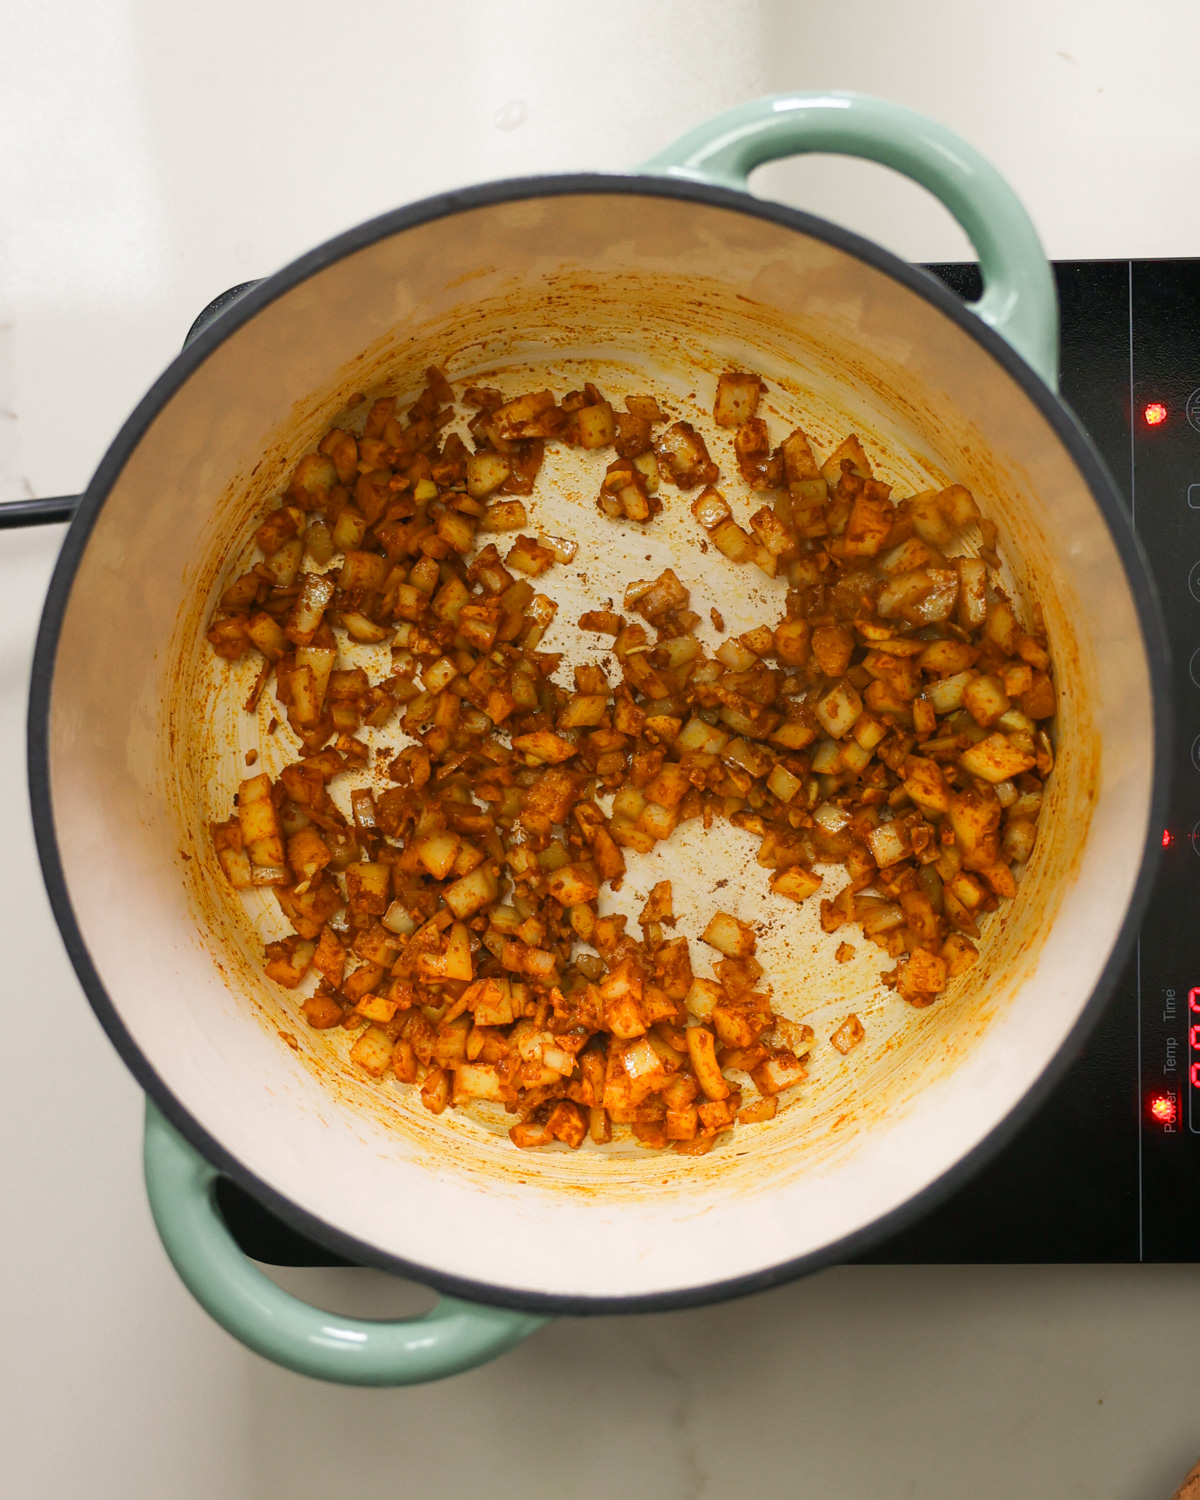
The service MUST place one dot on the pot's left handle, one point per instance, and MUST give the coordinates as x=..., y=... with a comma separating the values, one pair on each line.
x=455, y=1336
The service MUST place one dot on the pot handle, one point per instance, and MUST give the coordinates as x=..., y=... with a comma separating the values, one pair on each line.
x=1019, y=299
x=455, y=1336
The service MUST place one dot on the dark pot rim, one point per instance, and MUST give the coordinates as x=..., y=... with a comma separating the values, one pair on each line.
x=245, y=307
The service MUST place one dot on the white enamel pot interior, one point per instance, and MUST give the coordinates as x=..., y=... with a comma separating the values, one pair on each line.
x=640, y=286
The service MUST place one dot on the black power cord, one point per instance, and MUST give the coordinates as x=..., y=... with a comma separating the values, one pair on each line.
x=37, y=512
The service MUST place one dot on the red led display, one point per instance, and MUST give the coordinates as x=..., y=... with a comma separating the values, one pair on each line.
x=1155, y=413
x=1193, y=1072
x=1168, y=838
x=1163, y=1108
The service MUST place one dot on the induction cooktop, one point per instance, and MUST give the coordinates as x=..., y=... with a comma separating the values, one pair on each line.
x=1109, y=1167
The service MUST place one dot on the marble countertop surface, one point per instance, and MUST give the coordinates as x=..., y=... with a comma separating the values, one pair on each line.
x=151, y=156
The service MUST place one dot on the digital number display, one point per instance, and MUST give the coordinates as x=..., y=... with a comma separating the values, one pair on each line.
x=1193, y=1072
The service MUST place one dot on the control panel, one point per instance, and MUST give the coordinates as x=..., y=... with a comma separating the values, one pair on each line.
x=1164, y=491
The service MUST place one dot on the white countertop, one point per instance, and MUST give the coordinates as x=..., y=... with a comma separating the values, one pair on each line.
x=151, y=156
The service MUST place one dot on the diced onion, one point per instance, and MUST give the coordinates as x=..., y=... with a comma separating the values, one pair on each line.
x=889, y=712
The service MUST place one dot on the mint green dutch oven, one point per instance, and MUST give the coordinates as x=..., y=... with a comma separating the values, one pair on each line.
x=678, y=260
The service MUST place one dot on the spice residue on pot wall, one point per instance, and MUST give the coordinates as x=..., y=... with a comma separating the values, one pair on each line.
x=696, y=331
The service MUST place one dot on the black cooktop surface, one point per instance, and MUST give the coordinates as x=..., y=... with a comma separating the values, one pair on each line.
x=1109, y=1169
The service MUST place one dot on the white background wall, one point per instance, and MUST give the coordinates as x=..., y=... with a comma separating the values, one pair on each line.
x=153, y=154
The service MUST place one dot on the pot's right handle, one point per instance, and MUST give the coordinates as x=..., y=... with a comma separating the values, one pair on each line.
x=455, y=1336
x=1019, y=299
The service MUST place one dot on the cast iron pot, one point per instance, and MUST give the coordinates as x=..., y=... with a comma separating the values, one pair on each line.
x=652, y=281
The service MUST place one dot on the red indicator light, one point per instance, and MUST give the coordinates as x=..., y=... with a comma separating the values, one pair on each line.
x=1162, y=1107
x=1168, y=838
x=1155, y=413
